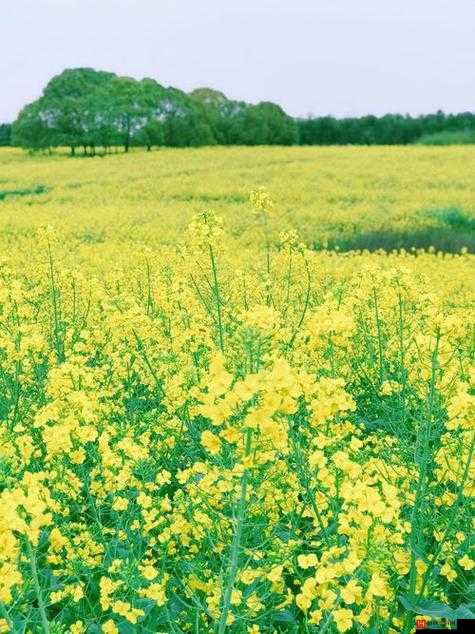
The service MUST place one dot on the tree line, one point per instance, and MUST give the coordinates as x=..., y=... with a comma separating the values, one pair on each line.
x=85, y=109
x=390, y=129
x=88, y=109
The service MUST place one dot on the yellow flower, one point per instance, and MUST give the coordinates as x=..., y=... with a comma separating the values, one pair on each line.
x=249, y=575
x=448, y=572
x=315, y=617
x=123, y=608
x=261, y=199
x=236, y=597
x=149, y=572
x=343, y=619
x=210, y=442
x=421, y=566
x=390, y=387
x=163, y=477
x=275, y=574
x=352, y=592
x=109, y=627
x=377, y=586
x=120, y=504
x=5, y=628
x=303, y=601
x=466, y=562
x=155, y=592
x=307, y=561
x=230, y=434
x=54, y=597
x=78, y=456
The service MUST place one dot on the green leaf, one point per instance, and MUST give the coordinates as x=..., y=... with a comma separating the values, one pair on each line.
x=464, y=611
x=284, y=617
x=426, y=606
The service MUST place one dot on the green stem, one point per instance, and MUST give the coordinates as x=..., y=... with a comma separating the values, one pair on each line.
x=422, y=482
x=380, y=342
x=218, y=298
x=235, y=546
x=307, y=301
x=5, y=615
x=56, y=309
x=149, y=289
x=266, y=233
x=36, y=583
x=308, y=492
x=454, y=515
x=141, y=347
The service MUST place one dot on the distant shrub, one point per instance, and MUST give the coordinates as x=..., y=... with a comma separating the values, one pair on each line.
x=456, y=218
x=447, y=137
x=37, y=189
x=447, y=240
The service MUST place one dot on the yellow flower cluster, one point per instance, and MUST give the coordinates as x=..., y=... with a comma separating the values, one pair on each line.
x=218, y=428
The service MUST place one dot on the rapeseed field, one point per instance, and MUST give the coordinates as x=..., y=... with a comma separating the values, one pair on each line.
x=209, y=421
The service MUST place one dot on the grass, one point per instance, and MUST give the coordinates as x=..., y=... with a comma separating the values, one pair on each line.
x=432, y=238
x=32, y=191
x=451, y=231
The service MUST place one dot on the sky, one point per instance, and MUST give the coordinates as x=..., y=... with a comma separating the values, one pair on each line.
x=340, y=57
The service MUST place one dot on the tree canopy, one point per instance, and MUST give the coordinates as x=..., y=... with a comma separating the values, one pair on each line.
x=390, y=129
x=85, y=108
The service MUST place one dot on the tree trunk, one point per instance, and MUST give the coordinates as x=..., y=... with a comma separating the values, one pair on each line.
x=127, y=136
x=84, y=150
x=73, y=150
x=149, y=147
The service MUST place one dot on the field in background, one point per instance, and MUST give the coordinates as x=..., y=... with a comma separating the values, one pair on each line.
x=211, y=423
x=352, y=197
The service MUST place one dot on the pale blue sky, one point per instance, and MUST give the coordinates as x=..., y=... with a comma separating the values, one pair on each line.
x=341, y=57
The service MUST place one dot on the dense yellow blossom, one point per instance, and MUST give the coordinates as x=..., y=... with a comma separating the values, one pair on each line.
x=208, y=425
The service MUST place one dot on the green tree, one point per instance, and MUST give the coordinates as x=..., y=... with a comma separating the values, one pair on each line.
x=125, y=109
x=151, y=134
x=5, y=134
x=185, y=122
x=71, y=102
x=89, y=108
x=31, y=130
x=267, y=124
x=155, y=103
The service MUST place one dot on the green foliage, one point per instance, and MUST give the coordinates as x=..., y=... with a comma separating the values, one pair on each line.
x=38, y=189
x=31, y=130
x=448, y=137
x=5, y=134
x=445, y=239
x=450, y=230
x=456, y=219
x=89, y=109
x=86, y=108
x=391, y=129
x=436, y=609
